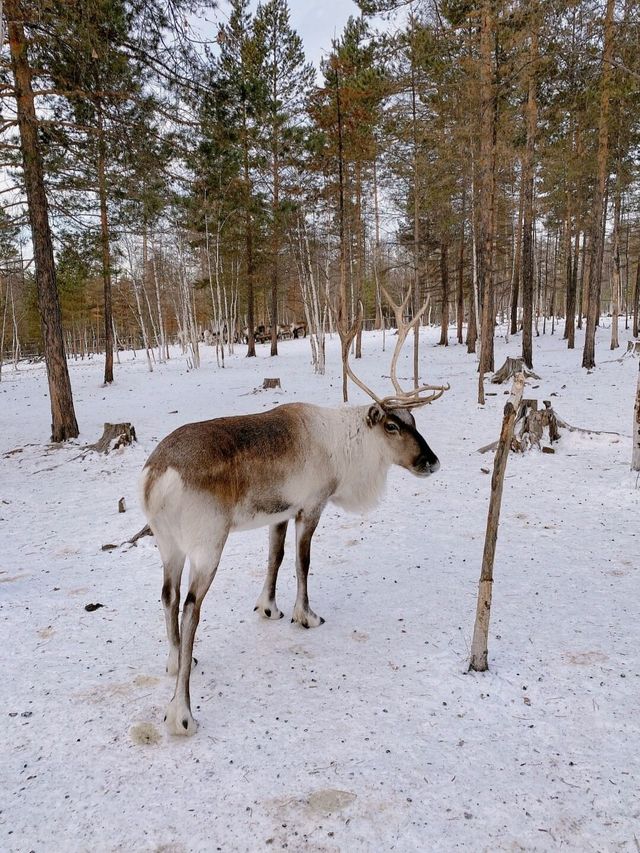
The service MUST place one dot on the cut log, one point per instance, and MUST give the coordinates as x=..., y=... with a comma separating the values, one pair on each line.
x=271, y=383
x=479, y=645
x=510, y=369
x=113, y=437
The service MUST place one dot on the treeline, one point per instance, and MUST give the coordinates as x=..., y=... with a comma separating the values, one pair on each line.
x=483, y=153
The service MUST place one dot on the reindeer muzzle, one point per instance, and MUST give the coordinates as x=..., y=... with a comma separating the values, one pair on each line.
x=426, y=465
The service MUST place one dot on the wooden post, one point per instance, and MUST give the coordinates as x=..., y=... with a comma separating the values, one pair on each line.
x=479, y=652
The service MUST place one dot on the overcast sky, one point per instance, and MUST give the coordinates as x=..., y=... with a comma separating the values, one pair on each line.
x=315, y=21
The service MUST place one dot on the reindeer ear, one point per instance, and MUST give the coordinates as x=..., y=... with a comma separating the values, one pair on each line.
x=375, y=414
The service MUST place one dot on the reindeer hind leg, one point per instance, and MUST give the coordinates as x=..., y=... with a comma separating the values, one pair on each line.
x=173, y=563
x=204, y=565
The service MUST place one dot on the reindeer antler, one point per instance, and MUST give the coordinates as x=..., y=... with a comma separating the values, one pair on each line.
x=350, y=372
x=401, y=399
x=408, y=399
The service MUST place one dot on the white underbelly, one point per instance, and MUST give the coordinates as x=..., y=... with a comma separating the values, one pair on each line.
x=248, y=520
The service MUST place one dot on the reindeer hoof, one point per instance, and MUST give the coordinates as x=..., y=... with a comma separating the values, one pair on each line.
x=179, y=720
x=268, y=609
x=307, y=618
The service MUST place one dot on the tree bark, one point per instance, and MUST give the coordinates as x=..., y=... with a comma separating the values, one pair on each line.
x=528, y=212
x=572, y=295
x=63, y=418
x=275, y=213
x=597, y=221
x=444, y=275
x=615, y=267
x=106, y=254
x=636, y=303
x=460, y=294
x=486, y=191
x=517, y=263
x=416, y=208
x=248, y=237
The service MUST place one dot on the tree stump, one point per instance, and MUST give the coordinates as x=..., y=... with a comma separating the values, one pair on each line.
x=114, y=436
x=531, y=424
x=511, y=368
x=271, y=383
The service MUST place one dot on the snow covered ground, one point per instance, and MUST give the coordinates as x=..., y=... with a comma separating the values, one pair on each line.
x=366, y=734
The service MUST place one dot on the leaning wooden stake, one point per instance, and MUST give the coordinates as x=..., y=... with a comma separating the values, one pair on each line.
x=479, y=650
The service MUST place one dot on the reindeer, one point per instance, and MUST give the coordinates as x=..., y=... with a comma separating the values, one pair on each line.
x=207, y=479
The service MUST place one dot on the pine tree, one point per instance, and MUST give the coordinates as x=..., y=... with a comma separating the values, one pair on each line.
x=63, y=418
x=238, y=71
x=287, y=78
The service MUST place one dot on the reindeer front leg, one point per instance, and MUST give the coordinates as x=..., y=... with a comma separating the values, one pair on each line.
x=266, y=603
x=306, y=524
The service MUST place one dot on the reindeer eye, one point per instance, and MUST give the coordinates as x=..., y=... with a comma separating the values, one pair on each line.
x=390, y=427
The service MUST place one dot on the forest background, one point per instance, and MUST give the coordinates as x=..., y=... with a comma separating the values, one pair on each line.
x=160, y=186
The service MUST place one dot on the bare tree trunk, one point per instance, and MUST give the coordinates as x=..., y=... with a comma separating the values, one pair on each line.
x=474, y=301
x=248, y=236
x=444, y=276
x=460, y=293
x=486, y=191
x=359, y=241
x=346, y=331
x=376, y=248
x=163, y=352
x=528, y=212
x=582, y=290
x=479, y=645
x=63, y=419
x=6, y=302
x=106, y=253
x=571, y=294
x=570, y=300
x=314, y=314
x=16, y=348
x=189, y=321
x=275, y=248
x=597, y=222
x=517, y=261
x=416, y=206
x=615, y=268
x=143, y=328
x=636, y=303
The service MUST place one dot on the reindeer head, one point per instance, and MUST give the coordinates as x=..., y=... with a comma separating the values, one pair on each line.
x=405, y=446
x=391, y=415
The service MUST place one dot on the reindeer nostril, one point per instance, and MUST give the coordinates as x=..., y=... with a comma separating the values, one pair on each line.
x=434, y=466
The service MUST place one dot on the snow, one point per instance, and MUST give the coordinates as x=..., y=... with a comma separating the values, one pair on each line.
x=366, y=734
